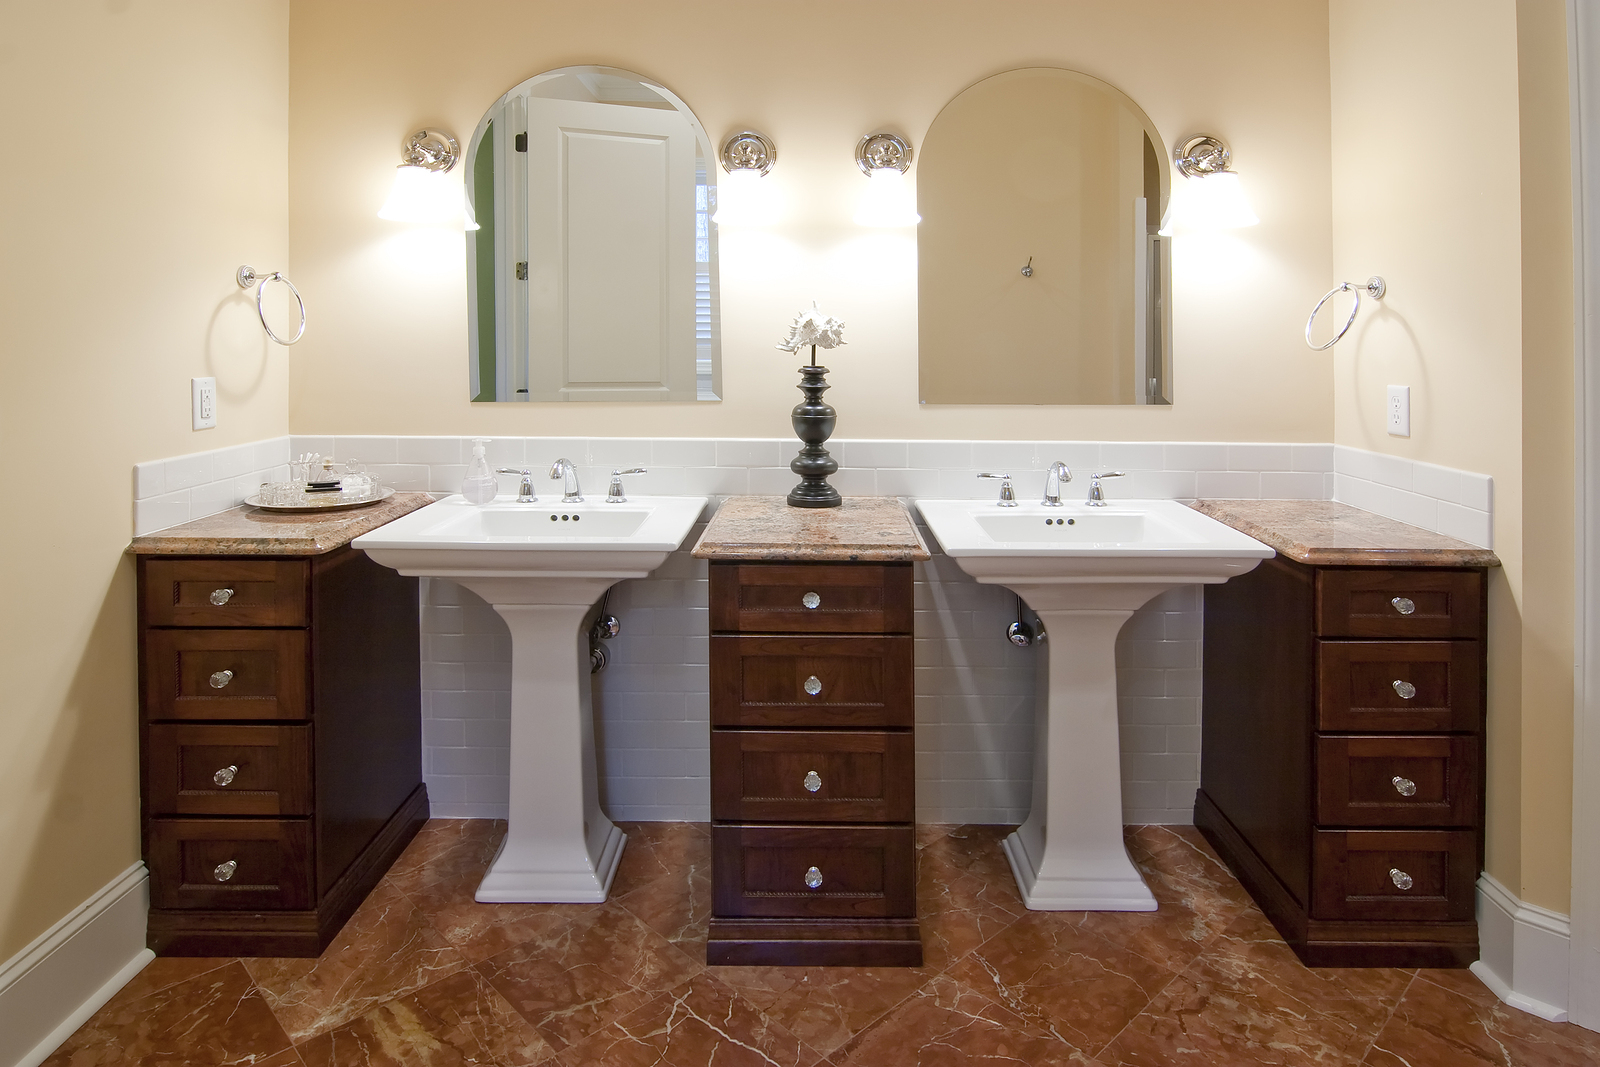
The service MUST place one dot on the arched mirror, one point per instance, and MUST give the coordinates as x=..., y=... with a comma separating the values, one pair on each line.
x=1042, y=279
x=592, y=274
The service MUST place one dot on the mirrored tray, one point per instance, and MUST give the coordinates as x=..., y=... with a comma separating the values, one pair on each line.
x=336, y=502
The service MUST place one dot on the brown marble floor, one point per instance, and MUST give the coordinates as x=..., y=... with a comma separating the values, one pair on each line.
x=422, y=975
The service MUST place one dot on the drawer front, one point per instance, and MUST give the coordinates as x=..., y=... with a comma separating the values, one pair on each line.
x=1395, y=875
x=1395, y=602
x=811, y=681
x=1397, y=781
x=225, y=674
x=270, y=864
x=809, y=598
x=213, y=592
x=861, y=872
x=229, y=770
x=1399, y=686
x=837, y=776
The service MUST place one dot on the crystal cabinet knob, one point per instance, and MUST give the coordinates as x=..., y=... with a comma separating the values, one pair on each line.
x=220, y=679
x=811, y=600
x=1404, y=786
x=225, y=776
x=1404, y=605
x=220, y=597
x=813, y=878
x=223, y=871
x=813, y=781
x=813, y=685
x=1405, y=689
x=1400, y=878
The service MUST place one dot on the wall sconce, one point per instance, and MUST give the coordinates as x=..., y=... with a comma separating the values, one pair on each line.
x=1210, y=198
x=422, y=192
x=742, y=198
x=884, y=159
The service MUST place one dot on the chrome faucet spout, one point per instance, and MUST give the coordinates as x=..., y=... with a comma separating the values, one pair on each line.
x=563, y=469
x=1054, y=475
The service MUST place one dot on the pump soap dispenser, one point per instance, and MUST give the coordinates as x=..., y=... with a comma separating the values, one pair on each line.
x=479, y=486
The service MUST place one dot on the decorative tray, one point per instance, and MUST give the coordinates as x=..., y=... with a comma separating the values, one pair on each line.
x=334, y=502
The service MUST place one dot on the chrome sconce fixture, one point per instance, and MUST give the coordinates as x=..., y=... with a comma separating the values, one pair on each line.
x=884, y=158
x=421, y=192
x=1210, y=197
x=749, y=150
x=742, y=199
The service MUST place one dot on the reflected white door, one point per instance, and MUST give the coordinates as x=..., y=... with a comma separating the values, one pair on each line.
x=610, y=252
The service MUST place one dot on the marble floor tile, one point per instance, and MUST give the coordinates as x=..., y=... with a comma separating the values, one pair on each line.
x=459, y=1020
x=677, y=904
x=1448, y=1019
x=1179, y=864
x=214, y=1019
x=824, y=1006
x=965, y=893
x=447, y=850
x=657, y=850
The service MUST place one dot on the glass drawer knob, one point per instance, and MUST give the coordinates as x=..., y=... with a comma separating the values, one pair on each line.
x=813, y=781
x=1405, y=689
x=225, y=776
x=220, y=597
x=1404, y=786
x=813, y=685
x=1400, y=878
x=1404, y=605
x=813, y=878
x=223, y=871
x=811, y=600
x=221, y=679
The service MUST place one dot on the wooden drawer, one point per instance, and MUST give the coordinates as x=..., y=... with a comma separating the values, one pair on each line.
x=834, y=776
x=1362, y=602
x=1362, y=686
x=271, y=856
x=252, y=592
x=229, y=770
x=1397, y=781
x=268, y=674
x=811, y=682
x=1352, y=875
x=856, y=598
x=866, y=872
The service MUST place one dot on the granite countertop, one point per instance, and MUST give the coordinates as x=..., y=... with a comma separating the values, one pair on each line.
x=863, y=528
x=247, y=531
x=1325, y=532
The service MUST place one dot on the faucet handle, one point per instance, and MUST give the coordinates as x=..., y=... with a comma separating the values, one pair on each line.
x=614, y=494
x=1096, y=497
x=525, y=494
x=1008, y=499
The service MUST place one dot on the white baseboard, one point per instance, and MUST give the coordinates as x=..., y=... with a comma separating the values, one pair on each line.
x=1525, y=952
x=52, y=986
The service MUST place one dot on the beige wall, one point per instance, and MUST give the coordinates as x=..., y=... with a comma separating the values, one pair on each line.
x=150, y=143
x=387, y=350
x=1462, y=203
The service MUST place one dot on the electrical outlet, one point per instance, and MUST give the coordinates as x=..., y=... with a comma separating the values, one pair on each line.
x=204, y=394
x=1399, y=411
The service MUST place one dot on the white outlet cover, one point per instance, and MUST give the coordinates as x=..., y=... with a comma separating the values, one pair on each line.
x=203, y=394
x=1399, y=411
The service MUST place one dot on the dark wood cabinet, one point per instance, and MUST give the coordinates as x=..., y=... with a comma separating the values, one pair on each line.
x=280, y=709
x=1341, y=755
x=813, y=789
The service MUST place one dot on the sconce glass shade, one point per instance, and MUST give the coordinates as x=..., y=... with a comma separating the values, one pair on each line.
x=745, y=198
x=1208, y=203
x=431, y=197
x=888, y=200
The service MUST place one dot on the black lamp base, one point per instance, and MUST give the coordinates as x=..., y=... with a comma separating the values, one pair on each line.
x=813, y=421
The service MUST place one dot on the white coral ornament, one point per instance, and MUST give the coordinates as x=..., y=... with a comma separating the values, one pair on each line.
x=811, y=327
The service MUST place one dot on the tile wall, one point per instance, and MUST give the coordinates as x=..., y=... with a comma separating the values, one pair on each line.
x=975, y=691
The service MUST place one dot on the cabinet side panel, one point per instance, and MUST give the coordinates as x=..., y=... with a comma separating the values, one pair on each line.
x=367, y=704
x=1258, y=694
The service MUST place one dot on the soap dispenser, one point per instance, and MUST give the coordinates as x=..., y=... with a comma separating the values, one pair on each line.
x=479, y=486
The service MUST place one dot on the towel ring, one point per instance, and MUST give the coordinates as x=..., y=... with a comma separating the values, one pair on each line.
x=1373, y=287
x=247, y=277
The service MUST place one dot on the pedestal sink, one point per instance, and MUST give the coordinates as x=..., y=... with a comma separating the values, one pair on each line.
x=1084, y=570
x=543, y=566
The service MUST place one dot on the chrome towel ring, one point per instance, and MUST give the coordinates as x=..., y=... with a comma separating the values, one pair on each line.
x=1373, y=287
x=247, y=277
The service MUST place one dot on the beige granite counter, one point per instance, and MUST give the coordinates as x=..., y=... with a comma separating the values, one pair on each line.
x=1325, y=532
x=247, y=531
x=863, y=528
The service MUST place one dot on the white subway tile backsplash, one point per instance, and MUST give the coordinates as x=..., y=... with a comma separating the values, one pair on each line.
x=1311, y=457
x=1203, y=457
x=1228, y=485
x=1128, y=456
x=149, y=479
x=184, y=472
x=1477, y=491
x=434, y=451
x=1291, y=485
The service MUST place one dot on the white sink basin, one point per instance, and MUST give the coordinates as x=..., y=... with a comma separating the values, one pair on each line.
x=1084, y=570
x=543, y=567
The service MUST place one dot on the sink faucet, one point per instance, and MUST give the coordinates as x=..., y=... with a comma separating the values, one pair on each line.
x=525, y=490
x=563, y=468
x=1054, y=475
x=1008, y=499
x=1096, y=498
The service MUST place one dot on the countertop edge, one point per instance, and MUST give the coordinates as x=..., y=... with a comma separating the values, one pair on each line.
x=1351, y=555
x=340, y=528
x=912, y=550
